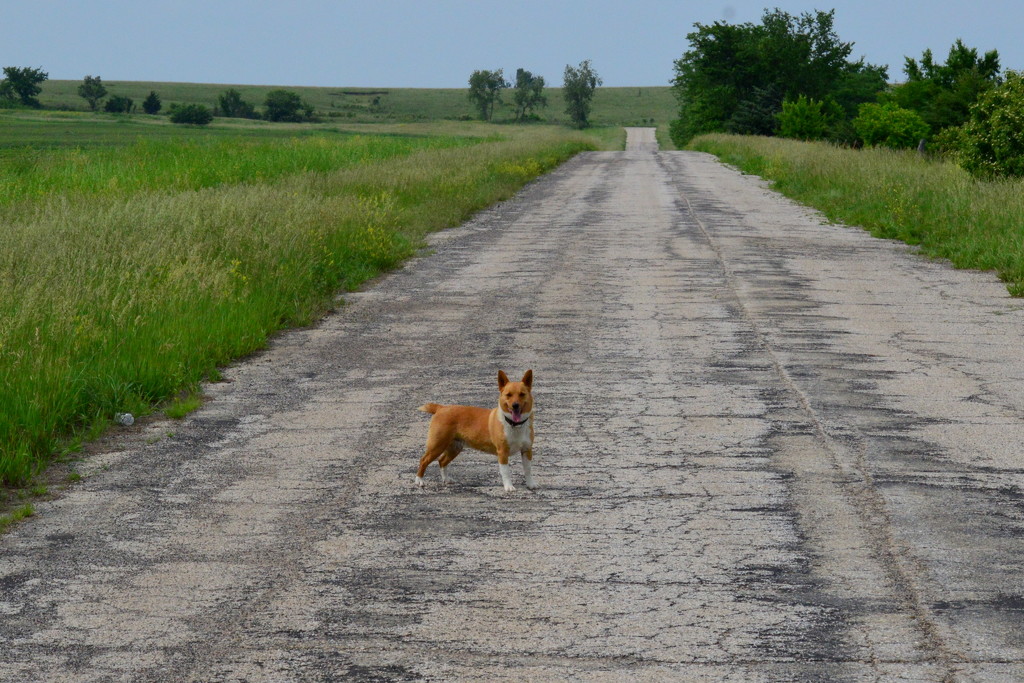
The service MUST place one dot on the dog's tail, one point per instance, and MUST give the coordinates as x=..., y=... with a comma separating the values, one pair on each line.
x=430, y=407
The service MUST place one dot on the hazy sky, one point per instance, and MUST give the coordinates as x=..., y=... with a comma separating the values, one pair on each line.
x=438, y=43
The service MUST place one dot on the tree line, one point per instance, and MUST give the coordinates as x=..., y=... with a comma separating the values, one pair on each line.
x=578, y=86
x=21, y=86
x=793, y=77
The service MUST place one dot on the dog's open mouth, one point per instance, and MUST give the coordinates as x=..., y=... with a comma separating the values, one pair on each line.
x=517, y=416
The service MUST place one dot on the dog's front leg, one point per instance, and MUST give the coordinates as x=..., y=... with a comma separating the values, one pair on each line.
x=506, y=476
x=528, y=469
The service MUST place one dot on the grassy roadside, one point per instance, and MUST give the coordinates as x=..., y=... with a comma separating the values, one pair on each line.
x=113, y=300
x=895, y=195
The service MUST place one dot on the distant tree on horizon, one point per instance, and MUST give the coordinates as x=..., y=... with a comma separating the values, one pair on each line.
x=92, y=91
x=529, y=93
x=578, y=88
x=485, y=91
x=21, y=84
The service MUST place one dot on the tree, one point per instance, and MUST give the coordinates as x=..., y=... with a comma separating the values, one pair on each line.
x=529, y=94
x=284, y=105
x=152, y=104
x=232, y=105
x=21, y=84
x=92, y=91
x=485, y=91
x=992, y=141
x=944, y=93
x=578, y=86
x=735, y=77
x=118, y=104
x=195, y=114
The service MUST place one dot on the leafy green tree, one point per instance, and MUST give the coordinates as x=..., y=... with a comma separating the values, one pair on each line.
x=92, y=91
x=485, y=91
x=578, y=86
x=232, y=105
x=889, y=125
x=285, y=105
x=152, y=104
x=529, y=94
x=21, y=84
x=992, y=141
x=194, y=114
x=118, y=104
x=944, y=93
x=735, y=77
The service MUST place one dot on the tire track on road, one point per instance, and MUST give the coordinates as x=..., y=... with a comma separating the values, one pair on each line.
x=853, y=479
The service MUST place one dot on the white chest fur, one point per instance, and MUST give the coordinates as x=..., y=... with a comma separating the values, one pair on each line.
x=518, y=437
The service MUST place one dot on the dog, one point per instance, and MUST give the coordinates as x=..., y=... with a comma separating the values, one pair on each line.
x=501, y=431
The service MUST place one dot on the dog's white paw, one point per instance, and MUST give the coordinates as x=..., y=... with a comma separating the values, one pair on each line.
x=510, y=487
x=419, y=482
x=532, y=485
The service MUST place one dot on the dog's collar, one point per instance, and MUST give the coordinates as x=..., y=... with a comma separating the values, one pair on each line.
x=513, y=423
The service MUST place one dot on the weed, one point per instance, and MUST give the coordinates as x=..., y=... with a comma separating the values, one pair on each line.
x=182, y=406
x=12, y=518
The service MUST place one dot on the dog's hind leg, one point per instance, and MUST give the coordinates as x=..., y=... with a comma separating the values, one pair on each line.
x=434, y=451
x=449, y=454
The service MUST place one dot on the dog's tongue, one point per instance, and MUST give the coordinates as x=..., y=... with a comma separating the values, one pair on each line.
x=517, y=416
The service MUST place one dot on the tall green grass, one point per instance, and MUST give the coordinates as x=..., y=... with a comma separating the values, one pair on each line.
x=114, y=301
x=176, y=165
x=897, y=195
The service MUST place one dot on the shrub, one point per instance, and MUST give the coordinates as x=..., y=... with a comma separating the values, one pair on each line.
x=889, y=125
x=118, y=104
x=195, y=114
x=803, y=119
x=284, y=105
x=232, y=105
x=151, y=105
x=991, y=143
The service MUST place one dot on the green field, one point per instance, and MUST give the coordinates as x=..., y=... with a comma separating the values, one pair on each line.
x=611, y=106
x=139, y=256
x=930, y=203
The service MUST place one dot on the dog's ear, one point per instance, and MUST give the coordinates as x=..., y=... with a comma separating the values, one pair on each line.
x=528, y=378
x=502, y=379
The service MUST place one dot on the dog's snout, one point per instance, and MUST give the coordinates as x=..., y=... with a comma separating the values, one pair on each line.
x=515, y=407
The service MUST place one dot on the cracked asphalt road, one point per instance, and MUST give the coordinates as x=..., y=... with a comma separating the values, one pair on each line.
x=768, y=448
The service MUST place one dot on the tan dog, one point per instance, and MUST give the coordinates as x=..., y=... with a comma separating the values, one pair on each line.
x=500, y=431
